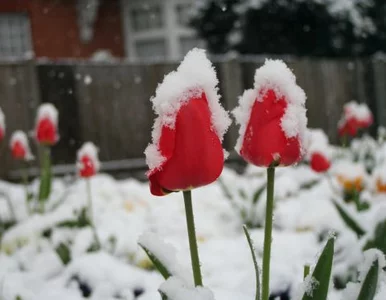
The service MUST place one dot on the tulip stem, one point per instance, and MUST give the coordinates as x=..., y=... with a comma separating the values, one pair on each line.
x=91, y=215
x=192, y=238
x=26, y=184
x=268, y=232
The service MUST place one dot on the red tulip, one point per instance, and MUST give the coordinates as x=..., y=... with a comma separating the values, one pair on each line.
x=348, y=127
x=319, y=162
x=193, y=151
x=186, y=151
x=88, y=163
x=46, y=125
x=19, y=146
x=272, y=118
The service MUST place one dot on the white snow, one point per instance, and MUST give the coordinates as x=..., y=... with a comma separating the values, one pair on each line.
x=358, y=111
x=275, y=75
x=47, y=110
x=349, y=170
x=175, y=289
x=21, y=137
x=89, y=150
x=317, y=141
x=194, y=76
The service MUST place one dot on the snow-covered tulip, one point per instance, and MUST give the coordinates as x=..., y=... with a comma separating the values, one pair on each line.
x=2, y=125
x=272, y=118
x=319, y=162
x=46, y=131
x=19, y=146
x=355, y=116
x=186, y=150
x=88, y=163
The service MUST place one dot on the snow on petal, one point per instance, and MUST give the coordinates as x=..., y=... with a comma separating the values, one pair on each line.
x=195, y=75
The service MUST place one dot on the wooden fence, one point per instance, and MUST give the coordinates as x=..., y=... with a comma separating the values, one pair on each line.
x=108, y=103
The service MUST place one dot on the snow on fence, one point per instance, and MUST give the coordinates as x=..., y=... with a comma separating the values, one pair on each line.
x=108, y=103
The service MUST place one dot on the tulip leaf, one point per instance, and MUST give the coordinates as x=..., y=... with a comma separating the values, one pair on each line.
x=157, y=263
x=370, y=282
x=45, y=177
x=379, y=238
x=257, y=194
x=321, y=274
x=348, y=220
x=257, y=273
x=64, y=253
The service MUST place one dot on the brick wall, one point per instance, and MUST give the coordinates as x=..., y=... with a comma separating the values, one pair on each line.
x=55, y=32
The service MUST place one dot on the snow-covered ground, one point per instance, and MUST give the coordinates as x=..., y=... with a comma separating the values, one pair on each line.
x=124, y=210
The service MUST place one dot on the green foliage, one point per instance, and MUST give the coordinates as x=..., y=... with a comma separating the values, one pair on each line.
x=253, y=253
x=157, y=263
x=369, y=286
x=81, y=221
x=64, y=253
x=322, y=273
x=348, y=220
x=45, y=177
x=379, y=238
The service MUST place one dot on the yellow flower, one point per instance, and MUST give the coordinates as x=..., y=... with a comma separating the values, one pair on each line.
x=381, y=186
x=351, y=184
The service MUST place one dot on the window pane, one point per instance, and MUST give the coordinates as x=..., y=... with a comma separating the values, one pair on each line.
x=147, y=17
x=155, y=49
x=15, y=35
x=183, y=13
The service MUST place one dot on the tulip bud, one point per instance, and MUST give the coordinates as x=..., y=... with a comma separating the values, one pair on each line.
x=319, y=162
x=46, y=125
x=272, y=118
x=19, y=146
x=186, y=150
x=88, y=163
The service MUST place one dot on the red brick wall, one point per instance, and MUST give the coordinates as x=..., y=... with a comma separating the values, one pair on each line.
x=55, y=32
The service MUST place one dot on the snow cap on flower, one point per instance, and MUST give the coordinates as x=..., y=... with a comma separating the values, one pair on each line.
x=88, y=163
x=318, y=150
x=2, y=125
x=19, y=146
x=355, y=116
x=189, y=119
x=46, y=124
x=272, y=117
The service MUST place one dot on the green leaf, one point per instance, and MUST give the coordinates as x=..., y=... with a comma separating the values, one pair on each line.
x=80, y=222
x=369, y=286
x=45, y=177
x=257, y=194
x=322, y=273
x=64, y=253
x=157, y=263
x=379, y=240
x=257, y=273
x=348, y=220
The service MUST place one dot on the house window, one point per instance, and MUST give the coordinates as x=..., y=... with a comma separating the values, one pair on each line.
x=15, y=36
x=147, y=17
x=183, y=11
x=188, y=43
x=154, y=49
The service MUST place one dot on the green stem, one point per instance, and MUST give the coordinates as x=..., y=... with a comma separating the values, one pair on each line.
x=25, y=183
x=91, y=215
x=268, y=232
x=192, y=238
x=45, y=178
x=306, y=271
